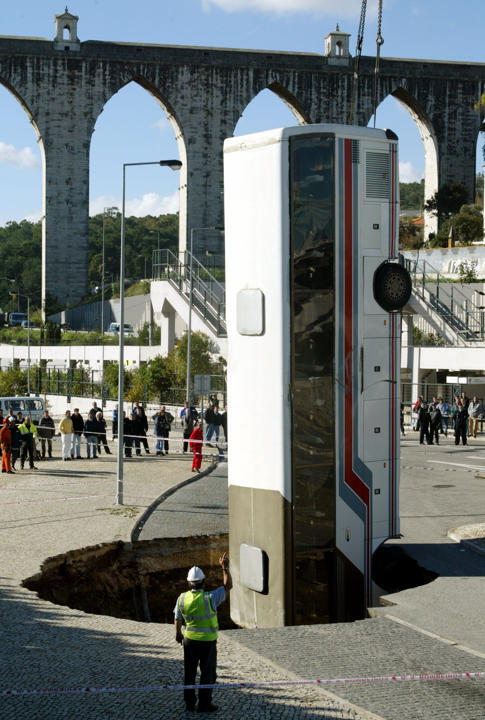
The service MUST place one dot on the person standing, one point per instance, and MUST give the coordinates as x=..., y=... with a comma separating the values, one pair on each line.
x=196, y=609
x=163, y=424
x=445, y=416
x=213, y=420
x=461, y=419
x=91, y=434
x=14, y=431
x=102, y=433
x=28, y=433
x=6, y=445
x=128, y=432
x=46, y=431
x=140, y=427
x=187, y=420
x=77, y=433
x=423, y=421
x=66, y=428
x=475, y=411
x=434, y=424
x=196, y=441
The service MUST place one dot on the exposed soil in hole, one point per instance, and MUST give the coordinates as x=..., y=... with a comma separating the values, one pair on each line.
x=394, y=570
x=139, y=581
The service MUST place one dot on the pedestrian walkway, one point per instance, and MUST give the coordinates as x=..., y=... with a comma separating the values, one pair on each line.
x=51, y=646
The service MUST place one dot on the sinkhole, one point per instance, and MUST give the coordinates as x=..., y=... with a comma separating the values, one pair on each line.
x=136, y=581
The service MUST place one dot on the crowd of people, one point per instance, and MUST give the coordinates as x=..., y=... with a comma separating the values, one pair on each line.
x=19, y=435
x=437, y=418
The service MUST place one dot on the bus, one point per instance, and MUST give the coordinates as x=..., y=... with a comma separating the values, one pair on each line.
x=314, y=287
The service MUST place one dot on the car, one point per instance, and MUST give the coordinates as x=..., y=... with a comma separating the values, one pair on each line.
x=114, y=328
x=27, y=324
x=31, y=405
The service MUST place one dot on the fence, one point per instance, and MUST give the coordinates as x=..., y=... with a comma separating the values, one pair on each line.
x=80, y=382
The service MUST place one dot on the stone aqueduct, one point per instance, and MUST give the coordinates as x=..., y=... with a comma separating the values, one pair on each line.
x=63, y=85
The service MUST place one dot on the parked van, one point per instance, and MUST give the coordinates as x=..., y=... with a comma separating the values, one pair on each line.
x=32, y=406
x=115, y=329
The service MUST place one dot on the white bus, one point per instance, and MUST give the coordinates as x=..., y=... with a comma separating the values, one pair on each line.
x=312, y=282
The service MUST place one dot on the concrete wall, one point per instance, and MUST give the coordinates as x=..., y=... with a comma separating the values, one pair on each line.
x=63, y=87
x=446, y=261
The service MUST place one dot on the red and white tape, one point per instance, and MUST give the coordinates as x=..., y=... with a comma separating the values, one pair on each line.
x=235, y=685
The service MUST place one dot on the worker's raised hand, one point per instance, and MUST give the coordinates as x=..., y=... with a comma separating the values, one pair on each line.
x=224, y=561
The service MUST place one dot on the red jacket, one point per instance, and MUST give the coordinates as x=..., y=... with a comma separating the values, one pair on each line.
x=5, y=437
x=196, y=435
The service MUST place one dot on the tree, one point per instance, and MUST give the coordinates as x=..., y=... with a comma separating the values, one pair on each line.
x=447, y=201
x=160, y=377
x=467, y=227
x=411, y=195
x=201, y=362
x=13, y=382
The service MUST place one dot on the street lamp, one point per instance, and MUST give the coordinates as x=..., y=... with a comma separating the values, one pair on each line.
x=28, y=336
x=173, y=165
x=189, y=329
x=107, y=212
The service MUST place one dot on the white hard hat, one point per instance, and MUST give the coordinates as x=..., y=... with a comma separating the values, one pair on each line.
x=195, y=574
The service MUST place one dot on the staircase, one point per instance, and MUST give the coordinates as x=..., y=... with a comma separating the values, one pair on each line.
x=444, y=306
x=189, y=277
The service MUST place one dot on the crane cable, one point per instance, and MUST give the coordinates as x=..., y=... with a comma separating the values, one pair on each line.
x=379, y=43
x=358, y=53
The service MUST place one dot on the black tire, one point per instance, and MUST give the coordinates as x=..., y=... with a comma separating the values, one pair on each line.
x=392, y=286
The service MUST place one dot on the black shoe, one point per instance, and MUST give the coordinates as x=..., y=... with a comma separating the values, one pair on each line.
x=11, y=472
x=189, y=707
x=207, y=708
x=4, y=471
x=33, y=467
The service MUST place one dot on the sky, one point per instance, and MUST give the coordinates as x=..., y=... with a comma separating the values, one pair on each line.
x=134, y=128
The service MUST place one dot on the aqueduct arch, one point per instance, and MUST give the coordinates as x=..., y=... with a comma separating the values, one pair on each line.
x=65, y=85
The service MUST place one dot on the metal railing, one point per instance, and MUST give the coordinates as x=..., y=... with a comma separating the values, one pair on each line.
x=208, y=294
x=461, y=314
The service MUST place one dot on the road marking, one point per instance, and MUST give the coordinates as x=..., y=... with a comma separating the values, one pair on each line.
x=462, y=465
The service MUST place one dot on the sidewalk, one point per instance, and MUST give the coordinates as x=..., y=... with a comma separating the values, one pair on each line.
x=56, y=647
x=65, y=506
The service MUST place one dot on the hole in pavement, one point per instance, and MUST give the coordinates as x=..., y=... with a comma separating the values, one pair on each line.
x=394, y=570
x=136, y=581
x=443, y=486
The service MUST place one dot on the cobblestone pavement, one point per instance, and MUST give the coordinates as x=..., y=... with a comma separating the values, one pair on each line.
x=64, y=506
x=68, y=505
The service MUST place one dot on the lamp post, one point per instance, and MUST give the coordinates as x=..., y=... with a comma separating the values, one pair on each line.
x=189, y=324
x=107, y=212
x=173, y=165
x=28, y=336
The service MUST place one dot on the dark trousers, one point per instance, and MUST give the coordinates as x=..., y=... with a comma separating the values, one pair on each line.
x=434, y=434
x=115, y=429
x=460, y=432
x=27, y=447
x=102, y=439
x=128, y=442
x=424, y=433
x=141, y=439
x=15, y=456
x=43, y=442
x=187, y=434
x=205, y=653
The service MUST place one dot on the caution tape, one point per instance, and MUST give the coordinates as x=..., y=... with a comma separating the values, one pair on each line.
x=236, y=685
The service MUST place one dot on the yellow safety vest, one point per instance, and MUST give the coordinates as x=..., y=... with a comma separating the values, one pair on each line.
x=200, y=619
x=23, y=429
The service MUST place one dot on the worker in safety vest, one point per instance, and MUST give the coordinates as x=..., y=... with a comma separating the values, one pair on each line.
x=28, y=433
x=197, y=610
